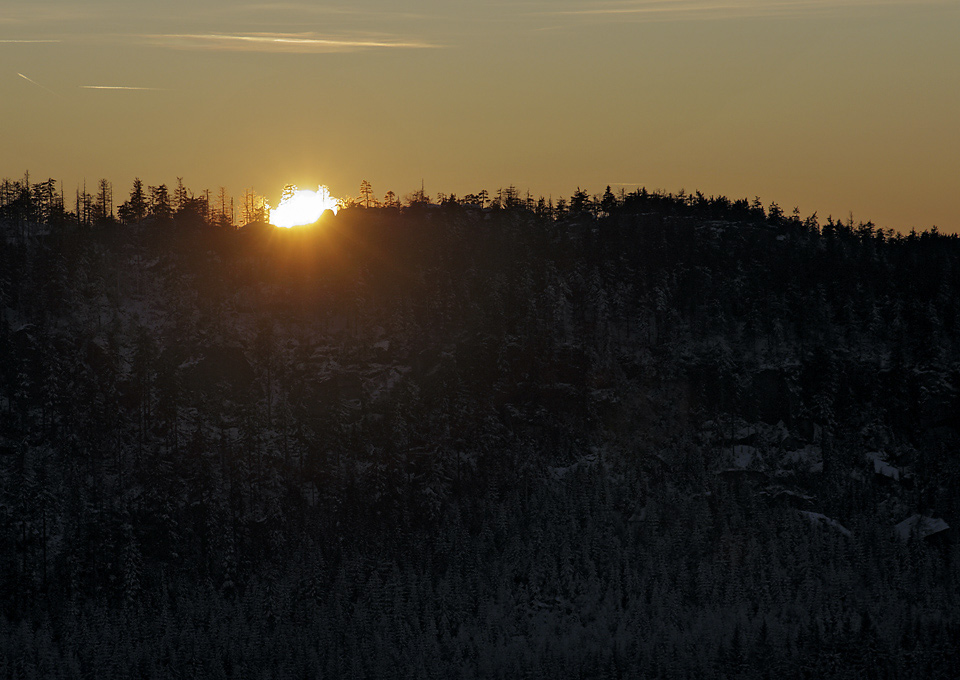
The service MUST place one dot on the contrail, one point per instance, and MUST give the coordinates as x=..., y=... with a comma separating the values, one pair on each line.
x=31, y=80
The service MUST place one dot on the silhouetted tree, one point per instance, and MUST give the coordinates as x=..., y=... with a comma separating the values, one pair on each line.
x=134, y=210
x=609, y=202
x=160, y=208
x=366, y=193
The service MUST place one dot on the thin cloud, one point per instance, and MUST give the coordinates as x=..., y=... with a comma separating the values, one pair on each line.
x=58, y=13
x=304, y=43
x=667, y=10
x=120, y=87
x=300, y=8
x=28, y=42
x=303, y=10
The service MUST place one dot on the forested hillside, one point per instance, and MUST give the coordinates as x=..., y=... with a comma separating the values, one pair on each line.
x=630, y=436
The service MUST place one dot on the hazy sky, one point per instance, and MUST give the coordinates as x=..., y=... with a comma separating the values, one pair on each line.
x=834, y=107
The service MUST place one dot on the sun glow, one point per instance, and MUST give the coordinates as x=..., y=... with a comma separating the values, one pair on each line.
x=302, y=206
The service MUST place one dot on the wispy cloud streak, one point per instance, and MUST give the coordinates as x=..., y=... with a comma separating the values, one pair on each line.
x=279, y=42
x=667, y=10
x=119, y=87
x=27, y=42
x=306, y=10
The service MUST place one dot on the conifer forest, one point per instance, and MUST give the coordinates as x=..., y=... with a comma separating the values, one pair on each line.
x=634, y=435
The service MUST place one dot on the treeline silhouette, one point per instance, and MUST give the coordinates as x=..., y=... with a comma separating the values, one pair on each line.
x=634, y=435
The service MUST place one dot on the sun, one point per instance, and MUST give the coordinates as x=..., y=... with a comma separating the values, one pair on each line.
x=302, y=206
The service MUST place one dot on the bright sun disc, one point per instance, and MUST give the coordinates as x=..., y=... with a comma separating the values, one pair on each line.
x=302, y=206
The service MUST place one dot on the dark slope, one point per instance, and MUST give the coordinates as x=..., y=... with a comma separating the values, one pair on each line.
x=665, y=437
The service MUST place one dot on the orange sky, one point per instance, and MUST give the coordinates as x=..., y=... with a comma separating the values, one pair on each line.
x=835, y=107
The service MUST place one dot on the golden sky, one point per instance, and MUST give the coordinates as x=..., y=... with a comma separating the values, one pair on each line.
x=838, y=107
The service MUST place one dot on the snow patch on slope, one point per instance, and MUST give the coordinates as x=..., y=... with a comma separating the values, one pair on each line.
x=922, y=525
x=821, y=519
x=882, y=467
